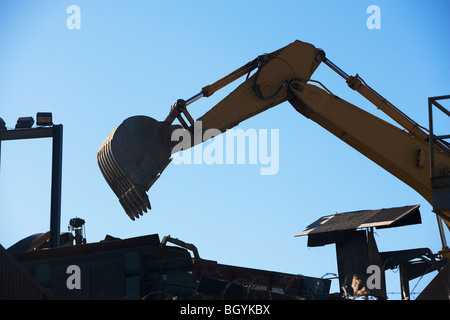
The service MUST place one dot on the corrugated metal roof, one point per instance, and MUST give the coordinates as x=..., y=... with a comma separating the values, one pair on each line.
x=381, y=218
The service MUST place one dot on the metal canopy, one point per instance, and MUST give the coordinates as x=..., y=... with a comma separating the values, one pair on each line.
x=329, y=229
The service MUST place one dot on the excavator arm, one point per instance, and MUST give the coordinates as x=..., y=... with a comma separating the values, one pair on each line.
x=136, y=153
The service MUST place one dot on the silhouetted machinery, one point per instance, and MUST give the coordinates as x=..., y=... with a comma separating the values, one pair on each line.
x=135, y=154
x=76, y=225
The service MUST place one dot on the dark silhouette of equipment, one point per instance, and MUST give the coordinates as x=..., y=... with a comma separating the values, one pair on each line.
x=76, y=225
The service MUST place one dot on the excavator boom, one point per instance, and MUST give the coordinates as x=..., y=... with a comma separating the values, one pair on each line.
x=136, y=153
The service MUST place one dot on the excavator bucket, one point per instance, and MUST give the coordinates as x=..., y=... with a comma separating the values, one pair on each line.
x=132, y=158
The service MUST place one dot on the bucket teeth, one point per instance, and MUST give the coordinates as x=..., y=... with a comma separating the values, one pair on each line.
x=135, y=202
x=131, y=159
x=133, y=198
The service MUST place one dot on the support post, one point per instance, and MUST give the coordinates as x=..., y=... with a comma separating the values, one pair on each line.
x=56, y=133
x=55, y=207
x=404, y=281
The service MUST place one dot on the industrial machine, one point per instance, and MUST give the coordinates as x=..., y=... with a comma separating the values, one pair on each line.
x=135, y=154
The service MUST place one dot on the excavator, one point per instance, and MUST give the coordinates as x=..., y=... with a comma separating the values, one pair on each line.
x=135, y=154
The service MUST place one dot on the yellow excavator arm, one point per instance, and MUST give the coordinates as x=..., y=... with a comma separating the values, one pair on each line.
x=136, y=153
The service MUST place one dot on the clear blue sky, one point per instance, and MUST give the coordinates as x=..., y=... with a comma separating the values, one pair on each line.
x=138, y=57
